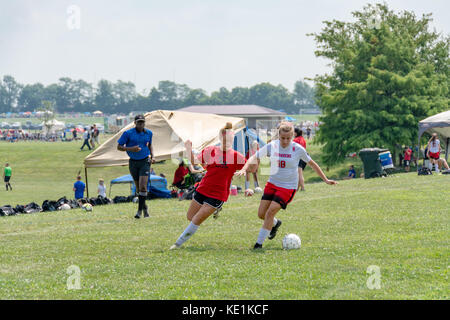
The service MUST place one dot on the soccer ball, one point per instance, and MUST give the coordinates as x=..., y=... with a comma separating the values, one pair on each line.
x=249, y=192
x=291, y=241
x=87, y=207
x=258, y=190
x=135, y=199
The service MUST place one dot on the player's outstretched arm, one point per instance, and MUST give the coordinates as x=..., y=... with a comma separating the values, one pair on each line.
x=244, y=170
x=320, y=173
x=190, y=154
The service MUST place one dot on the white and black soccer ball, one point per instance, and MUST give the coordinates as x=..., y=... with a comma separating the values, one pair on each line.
x=87, y=207
x=291, y=241
x=258, y=190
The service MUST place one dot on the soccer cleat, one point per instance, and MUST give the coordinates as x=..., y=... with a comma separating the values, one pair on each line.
x=274, y=230
x=257, y=246
x=138, y=215
x=216, y=213
x=174, y=247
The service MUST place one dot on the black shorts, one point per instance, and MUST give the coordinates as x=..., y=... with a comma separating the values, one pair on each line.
x=406, y=163
x=139, y=168
x=7, y=178
x=302, y=164
x=201, y=199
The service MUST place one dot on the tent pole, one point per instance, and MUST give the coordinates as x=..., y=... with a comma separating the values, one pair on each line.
x=446, y=149
x=87, y=184
x=418, y=154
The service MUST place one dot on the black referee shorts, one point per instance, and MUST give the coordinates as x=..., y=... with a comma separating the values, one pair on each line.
x=139, y=168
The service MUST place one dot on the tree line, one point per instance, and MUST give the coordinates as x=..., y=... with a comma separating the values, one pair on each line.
x=390, y=70
x=69, y=95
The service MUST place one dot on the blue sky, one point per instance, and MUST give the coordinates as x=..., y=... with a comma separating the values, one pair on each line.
x=204, y=44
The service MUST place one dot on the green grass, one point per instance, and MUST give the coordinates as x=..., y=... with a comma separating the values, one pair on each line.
x=399, y=223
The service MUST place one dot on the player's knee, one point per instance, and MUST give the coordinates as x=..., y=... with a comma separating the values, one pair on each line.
x=261, y=215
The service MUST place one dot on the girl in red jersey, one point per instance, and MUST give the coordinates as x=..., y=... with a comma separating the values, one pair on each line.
x=221, y=163
x=283, y=181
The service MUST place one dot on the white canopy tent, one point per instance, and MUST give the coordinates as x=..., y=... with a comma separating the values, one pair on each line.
x=52, y=126
x=439, y=123
x=170, y=130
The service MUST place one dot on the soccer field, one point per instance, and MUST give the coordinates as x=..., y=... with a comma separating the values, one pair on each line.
x=399, y=224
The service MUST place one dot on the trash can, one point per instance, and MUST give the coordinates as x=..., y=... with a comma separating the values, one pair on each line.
x=371, y=162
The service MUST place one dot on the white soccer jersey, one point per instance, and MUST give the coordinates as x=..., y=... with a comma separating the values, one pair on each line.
x=283, y=163
x=434, y=146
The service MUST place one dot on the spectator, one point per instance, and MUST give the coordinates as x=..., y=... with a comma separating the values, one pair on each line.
x=302, y=165
x=79, y=187
x=178, y=178
x=351, y=173
x=434, y=150
x=101, y=188
x=443, y=163
x=86, y=137
x=74, y=133
x=7, y=176
x=407, y=158
x=91, y=132
x=308, y=133
x=96, y=133
x=254, y=170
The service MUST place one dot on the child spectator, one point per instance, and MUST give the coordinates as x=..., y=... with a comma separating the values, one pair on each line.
x=101, y=188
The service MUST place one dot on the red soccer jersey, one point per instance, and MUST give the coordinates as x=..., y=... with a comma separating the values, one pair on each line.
x=179, y=174
x=220, y=168
x=301, y=141
x=408, y=154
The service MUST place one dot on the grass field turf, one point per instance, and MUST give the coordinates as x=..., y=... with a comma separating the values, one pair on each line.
x=344, y=229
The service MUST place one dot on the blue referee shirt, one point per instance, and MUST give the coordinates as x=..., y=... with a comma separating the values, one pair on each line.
x=131, y=138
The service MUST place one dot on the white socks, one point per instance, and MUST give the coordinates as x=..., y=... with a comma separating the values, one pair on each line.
x=275, y=221
x=187, y=233
x=263, y=234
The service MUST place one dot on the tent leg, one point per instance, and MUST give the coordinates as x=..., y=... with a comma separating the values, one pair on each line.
x=87, y=184
x=446, y=149
x=418, y=154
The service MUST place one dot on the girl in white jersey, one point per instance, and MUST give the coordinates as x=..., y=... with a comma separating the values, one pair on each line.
x=434, y=150
x=283, y=181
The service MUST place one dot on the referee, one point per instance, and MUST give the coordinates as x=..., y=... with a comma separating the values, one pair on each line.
x=137, y=142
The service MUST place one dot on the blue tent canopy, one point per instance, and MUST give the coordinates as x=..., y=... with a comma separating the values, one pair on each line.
x=243, y=140
x=287, y=118
x=157, y=185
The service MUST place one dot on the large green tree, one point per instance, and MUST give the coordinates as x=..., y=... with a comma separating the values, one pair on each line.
x=389, y=72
